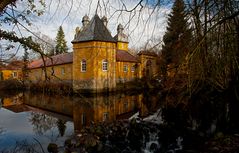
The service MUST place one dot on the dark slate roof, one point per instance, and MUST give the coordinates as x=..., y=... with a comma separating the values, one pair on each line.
x=95, y=30
x=124, y=56
x=56, y=60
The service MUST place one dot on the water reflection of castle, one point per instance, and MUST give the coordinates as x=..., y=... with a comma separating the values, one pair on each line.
x=84, y=110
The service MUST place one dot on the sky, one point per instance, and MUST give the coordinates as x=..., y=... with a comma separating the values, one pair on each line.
x=141, y=25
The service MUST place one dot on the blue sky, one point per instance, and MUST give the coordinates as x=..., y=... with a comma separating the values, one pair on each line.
x=141, y=24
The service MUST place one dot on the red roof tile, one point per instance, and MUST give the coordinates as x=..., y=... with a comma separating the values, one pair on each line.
x=55, y=60
x=124, y=56
x=2, y=66
x=150, y=53
x=13, y=65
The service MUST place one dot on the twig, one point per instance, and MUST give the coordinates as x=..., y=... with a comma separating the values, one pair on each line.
x=39, y=144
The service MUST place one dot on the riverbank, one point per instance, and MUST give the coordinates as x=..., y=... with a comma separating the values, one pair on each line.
x=205, y=122
x=63, y=88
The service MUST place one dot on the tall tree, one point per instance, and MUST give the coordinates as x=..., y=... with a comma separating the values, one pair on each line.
x=214, y=61
x=61, y=46
x=26, y=61
x=177, y=37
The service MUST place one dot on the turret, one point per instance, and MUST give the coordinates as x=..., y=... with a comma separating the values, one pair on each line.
x=121, y=38
x=120, y=29
x=85, y=21
x=105, y=21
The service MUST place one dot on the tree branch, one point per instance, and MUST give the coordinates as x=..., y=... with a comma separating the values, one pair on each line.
x=5, y=3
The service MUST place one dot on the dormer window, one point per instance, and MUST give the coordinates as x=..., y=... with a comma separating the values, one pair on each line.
x=83, y=65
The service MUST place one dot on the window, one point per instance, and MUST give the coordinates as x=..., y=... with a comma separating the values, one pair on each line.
x=105, y=65
x=125, y=106
x=83, y=65
x=63, y=71
x=105, y=116
x=133, y=68
x=125, y=68
x=14, y=74
x=83, y=119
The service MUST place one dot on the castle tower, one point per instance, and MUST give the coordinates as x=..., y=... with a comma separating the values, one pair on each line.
x=121, y=38
x=104, y=20
x=85, y=21
x=94, y=57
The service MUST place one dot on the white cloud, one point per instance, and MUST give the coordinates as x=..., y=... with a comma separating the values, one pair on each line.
x=140, y=25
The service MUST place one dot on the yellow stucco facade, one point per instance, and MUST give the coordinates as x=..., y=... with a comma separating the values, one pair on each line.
x=55, y=73
x=10, y=74
x=126, y=71
x=98, y=62
x=148, y=66
x=94, y=53
x=122, y=46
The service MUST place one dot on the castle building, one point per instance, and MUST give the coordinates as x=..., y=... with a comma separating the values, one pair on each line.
x=98, y=62
x=11, y=71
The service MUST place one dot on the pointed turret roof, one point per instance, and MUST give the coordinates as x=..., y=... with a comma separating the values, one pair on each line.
x=95, y=30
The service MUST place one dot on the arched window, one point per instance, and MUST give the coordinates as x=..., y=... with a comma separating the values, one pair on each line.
x=105, y=65
x=83, y=65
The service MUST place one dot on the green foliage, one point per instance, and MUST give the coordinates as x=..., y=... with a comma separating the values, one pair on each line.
x=26, y=42
x=11, y=16
x=178, y=35
x=61, y=46
x=209, y=64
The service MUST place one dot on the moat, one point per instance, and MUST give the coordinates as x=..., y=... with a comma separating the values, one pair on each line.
x=28, y=118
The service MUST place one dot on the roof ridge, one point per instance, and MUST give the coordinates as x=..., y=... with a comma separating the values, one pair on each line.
x=56, y=60
x=95, y=30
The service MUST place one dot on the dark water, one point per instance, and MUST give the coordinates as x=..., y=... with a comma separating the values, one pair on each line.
x=35, y=120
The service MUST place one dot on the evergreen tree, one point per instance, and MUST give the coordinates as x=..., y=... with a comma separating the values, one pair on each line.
x=26, y=61
x=61, y=46
x=177, y=37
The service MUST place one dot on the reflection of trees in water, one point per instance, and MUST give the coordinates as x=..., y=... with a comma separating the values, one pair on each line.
x=1, y=130
x=150, y=100
x=42, y=122
x=198, y=121
x=208, y=117
x=25, y=146
x=61, y=125
x=1, y=102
